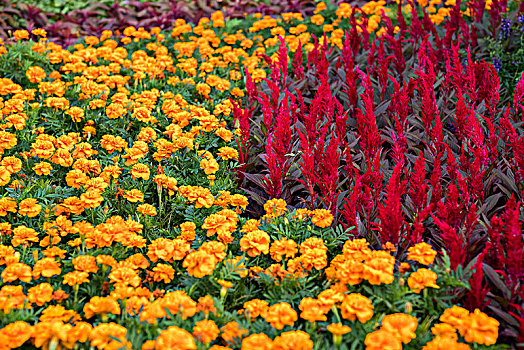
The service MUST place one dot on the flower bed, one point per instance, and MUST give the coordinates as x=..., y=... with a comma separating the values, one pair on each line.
x=124, y=223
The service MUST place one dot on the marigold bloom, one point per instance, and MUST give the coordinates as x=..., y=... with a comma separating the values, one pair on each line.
x=322, y=218
x=284, y=247
x=256, y=341
x=11, y=164
x=378, y=268
x=199, y=264
x=338, y=329
x=92, y=198
x=46, y=267
x=76, y=114
x=42, y=168
x=205, y=331
x=146, y=209
x=355, y=305
x=40, y=294
x=86, y=263
x=232, y=332
x=20, y=34
x=255, y=243
x=23, y=235
x=17, y=271
x=312, y=310
x=294, y=340
x=256, y=307
x=281, y=314
x=109, y=336
x=134, y=196
x=140, y=170
x=29, y=207
x=101, y=305
x=480, y=328
x=124, y=275
x=422, y=253
x=421, y=279
x=445, y=343
x=75, y=278
x=382, y=340
x=206, y=305
x=35, y=74
x=350, y=272
x=7, y=204
x=163, y=272
x=401, y=326
x=16, y=334
x=275, y=207
x=216, y=223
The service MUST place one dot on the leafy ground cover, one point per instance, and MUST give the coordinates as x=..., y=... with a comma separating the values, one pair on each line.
x=346, y=180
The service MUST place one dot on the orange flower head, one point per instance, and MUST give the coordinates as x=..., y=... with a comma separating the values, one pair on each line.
x=280, y=315
x=421, y=279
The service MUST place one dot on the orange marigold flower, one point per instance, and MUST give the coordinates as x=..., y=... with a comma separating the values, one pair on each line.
x=401, y=326
x=16, y=334
x=40, y=294
x=163, y=272
x=275, y=207
x=11, y=164
x=86, y=263
x=350, y=272
x=23, y=235
x=124, y=276
x=42, y=168
x=101, y=306
x=338, y=329
x=421, y=279
x=76, y=114
x=175, y=338
x=216, y=223
x=455, y=316
x=255, y=243
x=445, y=343
x=35, y=74
x=206, y=305
x=29, y=207
x=293, y=340
x=322, y=218
x=134, y=196
x=75, y=278
x=422, y=253
x=284, y=247
x=20, y=34
x=92, y=198
x=281, y=314
x=205, y=331
x=355, y=305
x=356, y=249
x=382, y=340
x=379, y=267
x=256, y=307
x=7, y=204
x=227, y=153
x=17, y=271
x=312, y=310
x=232, y=332
x=47, y=267
x=140, y=170
x=258, y=341
x=199, y=264
x=146, y=209
x=109, y=336
x=480, y=328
